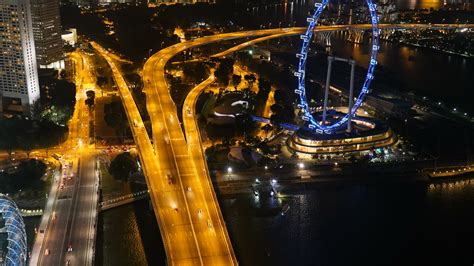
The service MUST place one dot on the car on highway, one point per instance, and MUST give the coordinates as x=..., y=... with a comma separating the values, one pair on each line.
x=169, y=176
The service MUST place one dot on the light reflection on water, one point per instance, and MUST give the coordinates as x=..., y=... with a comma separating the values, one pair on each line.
x=288, y=11
x=129, y=235
x=421, y=4
x=397, y=223
x=121, y=241
x=420, y=70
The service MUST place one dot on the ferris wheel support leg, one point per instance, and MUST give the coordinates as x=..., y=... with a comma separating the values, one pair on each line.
x=326, y=92
x=351, y=96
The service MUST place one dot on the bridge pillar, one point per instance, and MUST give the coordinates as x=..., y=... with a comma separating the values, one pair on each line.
x=324, y=38
x=351, y=96
x=386, y=34
x=356, y=36
x=328, y=83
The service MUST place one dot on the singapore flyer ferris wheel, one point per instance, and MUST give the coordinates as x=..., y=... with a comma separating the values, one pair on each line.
x=313, y=124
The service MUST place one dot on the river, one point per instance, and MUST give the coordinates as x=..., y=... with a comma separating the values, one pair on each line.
x=395, y=224
x=425, y=72
x=398, y=224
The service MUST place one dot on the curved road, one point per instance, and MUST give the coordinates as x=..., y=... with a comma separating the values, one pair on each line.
x=188, y=214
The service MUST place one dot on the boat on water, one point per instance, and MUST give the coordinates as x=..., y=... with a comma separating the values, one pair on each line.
x=285, y=209
x=256, y=194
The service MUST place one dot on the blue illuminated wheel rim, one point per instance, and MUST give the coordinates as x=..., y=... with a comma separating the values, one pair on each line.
x=301, y=90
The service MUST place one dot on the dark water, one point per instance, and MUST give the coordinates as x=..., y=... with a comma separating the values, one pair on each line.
x=426, y=72
x=405, y=224
x=398, y=224
x=129, y=235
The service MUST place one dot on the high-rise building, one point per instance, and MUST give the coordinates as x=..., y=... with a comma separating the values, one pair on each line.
x=47, y=32
x=19, y=88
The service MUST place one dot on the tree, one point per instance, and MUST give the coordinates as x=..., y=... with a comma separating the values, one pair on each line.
x=195, y=72
x=122, y=166
x=281, y=97
x=58, y=98
x=90, y=101
x=90, y=94
x=37, y=109
x=250, y=78
x=58, y=115
x=102, y=81
x=62, y=93
x=114, y=116
x=267, y=128
x=26, y=143
x=264, y=88
x=28, y=176
x=236, y=79
x=224, y=70
x=9, y=130
x=282, y=113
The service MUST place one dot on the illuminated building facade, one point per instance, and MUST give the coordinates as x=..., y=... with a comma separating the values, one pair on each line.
x=19, y=88
x=47, y=33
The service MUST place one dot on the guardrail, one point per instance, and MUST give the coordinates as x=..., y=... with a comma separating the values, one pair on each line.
x=122, y=200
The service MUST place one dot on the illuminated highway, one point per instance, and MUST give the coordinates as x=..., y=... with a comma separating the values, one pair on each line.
x=187, y=211
x=67, y=230
x=168, y=200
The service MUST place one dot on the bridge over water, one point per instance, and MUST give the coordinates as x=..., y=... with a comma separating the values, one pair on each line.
x=194, y=242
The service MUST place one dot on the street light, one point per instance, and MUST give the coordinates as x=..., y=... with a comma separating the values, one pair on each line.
x=229, y=172
x=301, y=165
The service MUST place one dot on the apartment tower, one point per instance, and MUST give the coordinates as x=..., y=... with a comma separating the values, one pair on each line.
x=19, y=88
x=47, y=33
